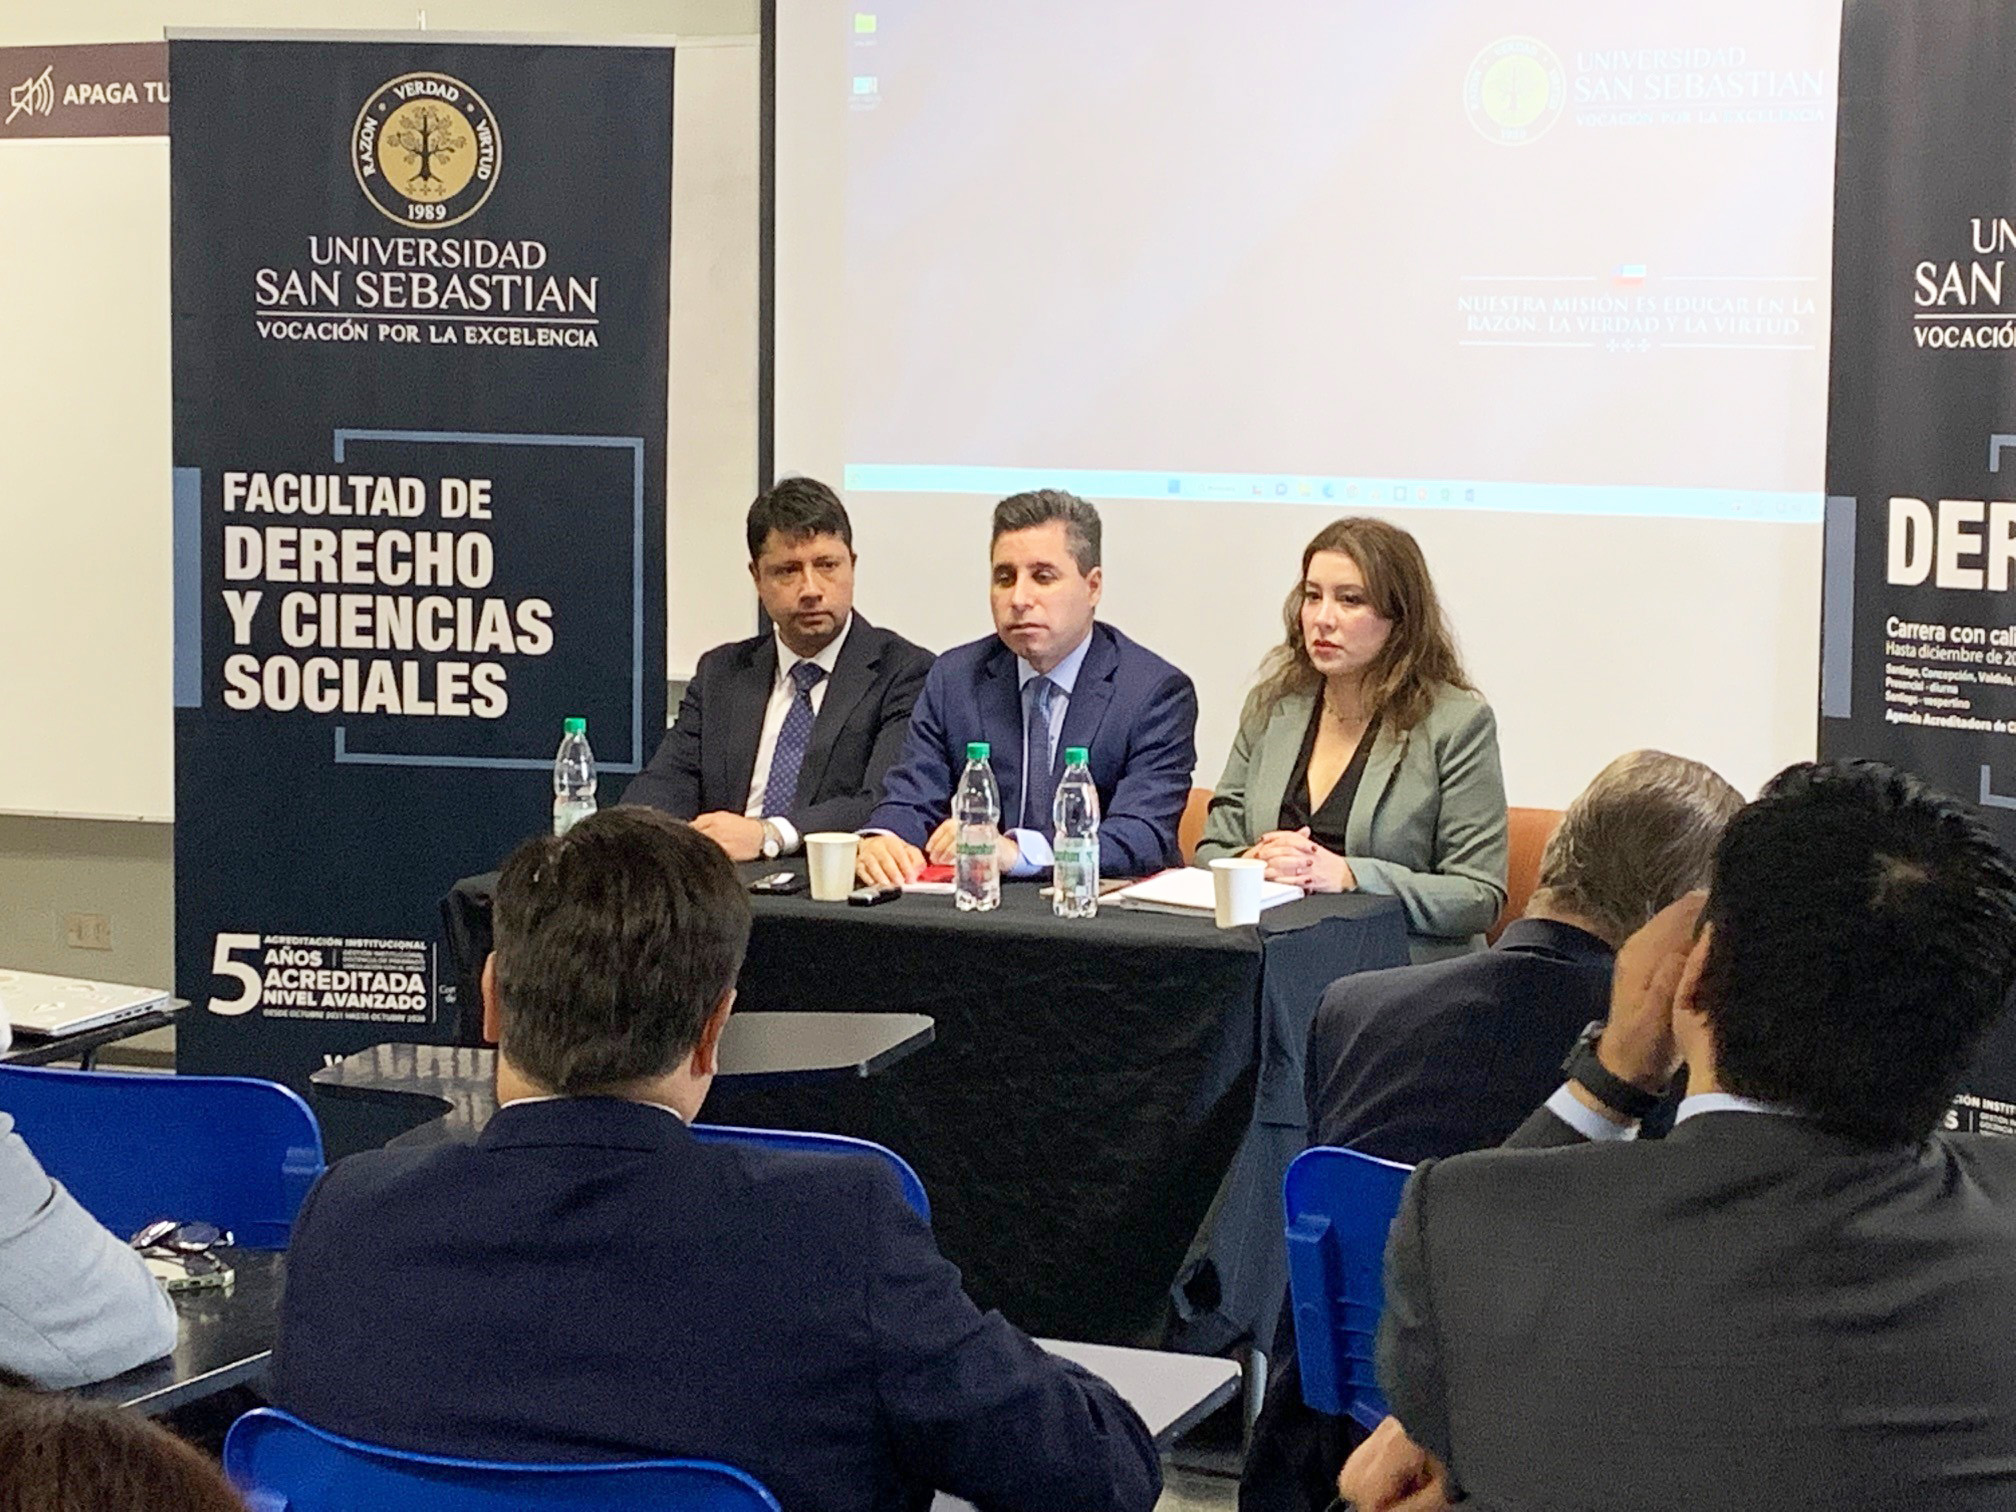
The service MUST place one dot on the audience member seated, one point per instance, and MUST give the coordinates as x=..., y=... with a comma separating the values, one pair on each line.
x=1049, y=678
x=790, y=732
x=1428, y=1061
x=60, y=1454
x=587, y=1281
x=1365, y=761
x=76, y=1303
x=1801, y=1298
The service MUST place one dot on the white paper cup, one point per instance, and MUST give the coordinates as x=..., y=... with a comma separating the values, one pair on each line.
x=831, y=857
x=1235, y=890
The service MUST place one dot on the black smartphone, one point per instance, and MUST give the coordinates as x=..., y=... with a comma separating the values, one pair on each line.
x=868, y=897
x=777, y=883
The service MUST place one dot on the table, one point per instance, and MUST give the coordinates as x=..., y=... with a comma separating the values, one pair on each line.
x=1173, y=1393
x=224, y=1339
x=42, y=1049
x=431, y=1093
x=1100, y=1088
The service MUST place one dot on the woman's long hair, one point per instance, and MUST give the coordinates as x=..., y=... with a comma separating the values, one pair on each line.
x=1419, y=655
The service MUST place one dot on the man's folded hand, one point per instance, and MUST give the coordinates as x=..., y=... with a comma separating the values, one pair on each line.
x=1389, y=1472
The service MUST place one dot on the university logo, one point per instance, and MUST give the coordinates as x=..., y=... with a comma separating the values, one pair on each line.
x=426, y=150
x=1515, y=91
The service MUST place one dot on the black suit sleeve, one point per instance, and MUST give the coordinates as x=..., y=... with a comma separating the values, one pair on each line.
x=974, y=1406
x=1409, y=1354
x=671, y=779
x=1543, y=1131
x=1137, y=832
x=299, y=1358
x=850, y=811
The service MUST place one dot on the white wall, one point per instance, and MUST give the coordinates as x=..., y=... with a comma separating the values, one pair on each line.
x=85, y=723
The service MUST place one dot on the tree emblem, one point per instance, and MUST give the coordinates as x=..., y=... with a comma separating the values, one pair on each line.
x=427, y=134
x=426, y=150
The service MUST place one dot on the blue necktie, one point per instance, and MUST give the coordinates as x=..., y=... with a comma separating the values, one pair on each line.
x=792, y=739
x=1037, y=788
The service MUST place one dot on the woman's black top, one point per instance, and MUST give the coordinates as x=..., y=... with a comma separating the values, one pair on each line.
x=1326, y=824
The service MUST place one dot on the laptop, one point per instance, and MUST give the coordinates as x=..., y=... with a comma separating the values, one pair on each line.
x=50, y=1005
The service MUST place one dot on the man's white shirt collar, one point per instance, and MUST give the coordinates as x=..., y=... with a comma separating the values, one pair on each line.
x=827, y=658
x=1726, y=1102
x=1065, y=673
x=1591, y=1125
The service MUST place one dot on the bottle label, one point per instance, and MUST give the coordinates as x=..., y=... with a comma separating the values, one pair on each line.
x=973, y=850
x=1075, y=850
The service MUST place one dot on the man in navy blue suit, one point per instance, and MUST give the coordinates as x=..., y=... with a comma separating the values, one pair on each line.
x=589, y=1282
x=1049, y=678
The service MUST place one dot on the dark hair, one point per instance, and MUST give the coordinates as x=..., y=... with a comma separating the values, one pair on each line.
x=59, y=1453
x=1420, y=653
x=1025, y=511
x=1864, y=940
x=613, y=945
x=1641, y=835
x=797, y=509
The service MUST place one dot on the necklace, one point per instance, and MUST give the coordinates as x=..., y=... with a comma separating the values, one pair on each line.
x=1332, y=712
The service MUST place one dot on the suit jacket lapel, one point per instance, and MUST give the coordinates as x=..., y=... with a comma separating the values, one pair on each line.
x=1086, y=708
x=741, y=725
x=1380, y=767
x=853, y=676
x=1280, y=743
x=1000, y=693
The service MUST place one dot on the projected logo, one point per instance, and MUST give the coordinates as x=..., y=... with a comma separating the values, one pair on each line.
x=36, y=96
x=426, y=150
x=1515, y=91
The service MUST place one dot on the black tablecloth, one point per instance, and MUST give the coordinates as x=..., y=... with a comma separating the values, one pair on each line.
x=1097, y=1090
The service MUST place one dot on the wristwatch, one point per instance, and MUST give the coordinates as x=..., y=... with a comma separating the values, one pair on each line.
x=1615, y=1093
x=773, y=843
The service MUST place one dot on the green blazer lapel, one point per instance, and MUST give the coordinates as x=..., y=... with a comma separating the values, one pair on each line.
x=1274, y=763
x=1382, y=765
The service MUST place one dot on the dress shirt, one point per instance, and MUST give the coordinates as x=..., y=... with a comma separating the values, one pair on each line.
x=1034, y=844
x=782, y=692
x=1591, y=1125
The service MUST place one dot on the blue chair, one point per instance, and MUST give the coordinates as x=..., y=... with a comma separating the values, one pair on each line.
x=227, y=1150
x=280, y=1464
x=829, y=1144
x=1340, y=1206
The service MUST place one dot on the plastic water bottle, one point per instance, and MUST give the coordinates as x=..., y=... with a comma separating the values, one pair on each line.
x=1076, y=844
x=573, y=778
x=976, y=849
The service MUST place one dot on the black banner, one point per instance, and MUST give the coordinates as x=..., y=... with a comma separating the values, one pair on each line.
x=420, y=298
x=1918, y=642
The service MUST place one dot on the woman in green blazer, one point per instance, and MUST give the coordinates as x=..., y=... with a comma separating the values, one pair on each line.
x=1365, y=760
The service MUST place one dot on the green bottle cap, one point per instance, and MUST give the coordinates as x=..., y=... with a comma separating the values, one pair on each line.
x=978, y=750
x=575, y=726
x=1074, y=755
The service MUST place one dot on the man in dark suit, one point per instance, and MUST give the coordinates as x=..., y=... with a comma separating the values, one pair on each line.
x=587, y=1281
x=1422, y=1062
x=1051, y=677
x=1801, y=1297
x=790, y=732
